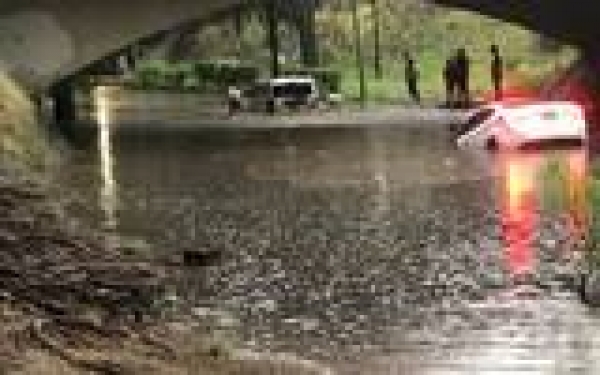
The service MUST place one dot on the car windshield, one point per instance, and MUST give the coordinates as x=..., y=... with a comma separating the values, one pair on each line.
x=477, y=119
x=293, y=90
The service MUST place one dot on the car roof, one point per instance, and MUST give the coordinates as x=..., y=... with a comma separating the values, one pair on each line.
x=521, y=103
x=519, y=115
x=286, y=80
x=527, y=106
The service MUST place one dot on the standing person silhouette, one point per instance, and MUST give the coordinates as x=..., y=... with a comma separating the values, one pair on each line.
x=449, y=76
x=462, y=76
x=496, y=71
x=411, y=75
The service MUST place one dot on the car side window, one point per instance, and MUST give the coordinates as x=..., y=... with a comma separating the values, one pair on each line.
x=475, y=120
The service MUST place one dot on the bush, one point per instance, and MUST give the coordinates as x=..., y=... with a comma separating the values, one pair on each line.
x=218, y=75
x=222, y=74
x=195, y=76
x=157, y=75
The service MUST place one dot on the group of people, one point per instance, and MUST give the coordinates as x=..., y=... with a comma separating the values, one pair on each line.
x=456, y=77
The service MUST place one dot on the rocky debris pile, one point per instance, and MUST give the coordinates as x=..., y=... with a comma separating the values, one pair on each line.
x=66, y=292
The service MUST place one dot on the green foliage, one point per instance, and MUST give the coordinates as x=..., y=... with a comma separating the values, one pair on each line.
x=192, y=76
x=432, y=34
x=230, y=74
x=215, y=76
x=160, y=75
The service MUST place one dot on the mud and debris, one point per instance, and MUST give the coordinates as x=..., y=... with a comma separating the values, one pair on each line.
x=68, y=295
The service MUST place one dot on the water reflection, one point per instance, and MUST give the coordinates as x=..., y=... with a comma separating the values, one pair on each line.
x=532, y=183
x=108, y=189
x=378, y=149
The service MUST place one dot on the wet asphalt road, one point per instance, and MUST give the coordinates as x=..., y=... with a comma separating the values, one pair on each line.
x=376, y=251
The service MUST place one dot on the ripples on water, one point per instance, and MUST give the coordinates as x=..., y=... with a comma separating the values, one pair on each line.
x=346, y=244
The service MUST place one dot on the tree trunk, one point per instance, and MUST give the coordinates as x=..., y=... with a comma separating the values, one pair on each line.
x=377, y=38
x=238, y=21
x=273, y=36
x=359, y=55
x=308, y=36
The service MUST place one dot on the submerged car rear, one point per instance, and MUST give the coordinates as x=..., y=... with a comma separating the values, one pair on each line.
x=524, y=125
x=546, y=123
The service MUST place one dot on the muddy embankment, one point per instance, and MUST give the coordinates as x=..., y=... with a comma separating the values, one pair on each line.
x=76, y=300
x=68, y=301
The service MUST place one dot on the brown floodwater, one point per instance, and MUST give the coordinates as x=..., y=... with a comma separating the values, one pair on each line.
x=369, y=250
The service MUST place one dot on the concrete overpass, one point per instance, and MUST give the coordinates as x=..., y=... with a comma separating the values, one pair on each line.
x=573, y=22
x=42, y=41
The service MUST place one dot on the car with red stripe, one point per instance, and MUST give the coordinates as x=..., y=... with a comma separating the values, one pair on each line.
x=519, y=124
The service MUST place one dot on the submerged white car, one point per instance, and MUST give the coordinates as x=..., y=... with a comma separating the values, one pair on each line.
x=273, y=94
x=521, y=124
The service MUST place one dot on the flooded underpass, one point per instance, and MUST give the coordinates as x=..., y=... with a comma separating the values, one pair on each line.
x=368, y=250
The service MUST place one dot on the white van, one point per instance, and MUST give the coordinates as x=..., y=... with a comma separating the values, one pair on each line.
x=271, y=95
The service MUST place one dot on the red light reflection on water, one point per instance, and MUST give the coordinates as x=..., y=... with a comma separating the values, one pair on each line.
x=518, y=206
x=520, y=184
x=521, y=191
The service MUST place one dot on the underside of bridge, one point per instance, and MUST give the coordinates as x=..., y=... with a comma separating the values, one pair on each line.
x=42, y=41
x=572, y=22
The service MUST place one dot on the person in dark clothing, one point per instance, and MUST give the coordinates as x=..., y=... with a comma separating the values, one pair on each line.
x=411, y=75
x=450, y=82
x=462, y=76
x=234, y=100
x=497, y=71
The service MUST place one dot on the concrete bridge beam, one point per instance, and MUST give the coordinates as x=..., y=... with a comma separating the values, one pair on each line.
x=42, y=41
x=573, y=22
